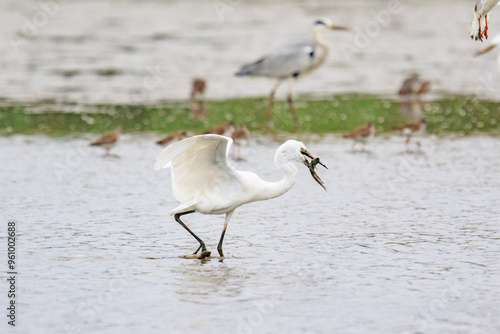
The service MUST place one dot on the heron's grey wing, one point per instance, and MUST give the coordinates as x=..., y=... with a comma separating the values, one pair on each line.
x=285, y=61
x=199, y=166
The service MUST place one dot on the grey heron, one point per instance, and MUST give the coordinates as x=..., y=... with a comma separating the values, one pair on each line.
x=291, y=61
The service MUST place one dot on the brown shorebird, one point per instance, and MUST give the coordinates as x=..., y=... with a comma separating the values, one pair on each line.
x=361, y=135
x=108, y=140
x=224, y=129
x=198, y=105
x=240, y=135
x=414, y=85
x=412, y=129
x=172, y=137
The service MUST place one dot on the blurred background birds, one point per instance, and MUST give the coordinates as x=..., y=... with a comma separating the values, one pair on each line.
x=291, y=61
x=172, y=137
x=108, y=140
x=199, y=108
x=410, y=130
x=361, y=135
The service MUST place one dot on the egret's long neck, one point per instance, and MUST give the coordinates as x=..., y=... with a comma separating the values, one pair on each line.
x=290, y=173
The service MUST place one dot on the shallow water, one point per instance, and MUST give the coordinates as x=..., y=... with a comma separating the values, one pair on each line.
x=143, y=51
x=400, y=243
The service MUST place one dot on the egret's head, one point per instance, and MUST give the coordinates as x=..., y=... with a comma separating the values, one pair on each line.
x=494, y=43
x=293, y=150
x=325, y=24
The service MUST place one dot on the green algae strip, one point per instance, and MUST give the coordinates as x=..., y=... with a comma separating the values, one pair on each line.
x=339, y=113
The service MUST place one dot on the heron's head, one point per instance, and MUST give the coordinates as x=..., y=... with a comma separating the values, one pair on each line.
x=325, y=24
x=494, y=43
x=293, y=150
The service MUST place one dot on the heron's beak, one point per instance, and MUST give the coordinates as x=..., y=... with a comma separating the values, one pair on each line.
x=312, y=165
x=334, y=27
x=486, y=49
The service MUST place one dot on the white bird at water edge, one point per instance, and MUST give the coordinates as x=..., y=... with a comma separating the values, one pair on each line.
x=291, y=61
x=204, y=181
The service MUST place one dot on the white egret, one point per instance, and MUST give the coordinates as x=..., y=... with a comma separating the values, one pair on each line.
x=361, y=134
x=292, y=61
x=203, y=180
x=108, y=140
x=412, y=129
x=477, y=30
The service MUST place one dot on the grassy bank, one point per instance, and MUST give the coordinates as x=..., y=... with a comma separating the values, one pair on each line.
x=339, y=113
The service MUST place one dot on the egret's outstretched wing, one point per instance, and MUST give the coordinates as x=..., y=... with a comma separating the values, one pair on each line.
x=199, y=167
x=287, y=60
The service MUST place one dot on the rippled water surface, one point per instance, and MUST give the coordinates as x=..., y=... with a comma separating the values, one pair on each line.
x=400, y=243
x=142, y=51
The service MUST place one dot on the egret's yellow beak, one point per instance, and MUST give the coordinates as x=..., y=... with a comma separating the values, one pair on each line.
x=312, y=165
x=486, y=49
x=334, y=27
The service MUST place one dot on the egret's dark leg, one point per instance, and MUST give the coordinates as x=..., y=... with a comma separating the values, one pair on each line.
x=178, y=219
x=291, y=105
x=219, y=246
x=270, y=104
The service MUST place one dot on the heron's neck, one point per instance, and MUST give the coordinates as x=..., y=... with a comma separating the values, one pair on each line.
x=290, y=173
x=320, y=40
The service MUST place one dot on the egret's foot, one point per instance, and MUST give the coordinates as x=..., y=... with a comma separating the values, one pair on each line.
x=219, y=249
x=201, y=256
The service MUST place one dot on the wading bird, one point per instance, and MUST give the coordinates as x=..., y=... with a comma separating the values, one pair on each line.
x=361, y=135
x=223, y=129
x=412, y=129
x=172, y=137
x=108, y=140
x=292, y=61
x=203, y=180
x=414, y=85
x=477, y=30
x=199, y=108
x=239, y=136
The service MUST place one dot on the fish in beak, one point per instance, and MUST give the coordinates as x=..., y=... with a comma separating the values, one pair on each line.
x=312, y=165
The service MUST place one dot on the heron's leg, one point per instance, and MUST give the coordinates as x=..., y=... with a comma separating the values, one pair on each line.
x=178, y=219
x=408, y=144
x=270, y=104
x=219, y=246
x=291, y=81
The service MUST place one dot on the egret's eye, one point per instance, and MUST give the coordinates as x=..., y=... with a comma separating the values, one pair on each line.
x=320, y=23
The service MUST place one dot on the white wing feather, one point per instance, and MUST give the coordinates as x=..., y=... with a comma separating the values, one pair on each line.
x=199, y=170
